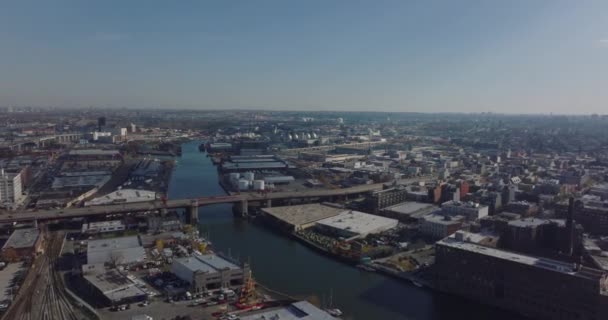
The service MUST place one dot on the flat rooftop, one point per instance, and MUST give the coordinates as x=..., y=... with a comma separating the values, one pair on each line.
x=114, y=285
x=303, y=214
x=125, y=249
x=359, y=222
x=413, y=209
x=94, y=152
x=22, y=238
x=302, y=310
x=548, y=264
x=206, y=263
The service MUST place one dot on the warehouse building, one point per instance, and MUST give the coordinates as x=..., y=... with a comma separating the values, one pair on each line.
x=123, y=196
x=409, y=212
x=294, y=218
x=209, y=272
x=115, y=251
x=301, y=310
x=22, y=244
x=537, y=287
x=103, y=227
x=354, y=224
x=111, y=286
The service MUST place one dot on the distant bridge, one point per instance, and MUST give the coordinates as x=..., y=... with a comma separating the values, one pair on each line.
x=355, y=145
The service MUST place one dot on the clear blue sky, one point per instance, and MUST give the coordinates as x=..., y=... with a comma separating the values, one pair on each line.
x=520, y=56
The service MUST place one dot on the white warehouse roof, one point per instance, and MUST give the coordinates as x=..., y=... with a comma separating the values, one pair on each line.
x=359, y=223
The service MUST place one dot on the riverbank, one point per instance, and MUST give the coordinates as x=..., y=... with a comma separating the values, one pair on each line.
x=288, y=266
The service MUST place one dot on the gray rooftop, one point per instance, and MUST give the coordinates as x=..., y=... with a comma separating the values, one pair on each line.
x=123, y=249
x=206, y=263
x=22, y=238
x=538, y=262
x=114, y=285
x=412, y=208
x=94, y=152
x=302, y=214
x=302, y=310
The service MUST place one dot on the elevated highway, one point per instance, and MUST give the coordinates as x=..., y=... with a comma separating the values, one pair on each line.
x=191, y=204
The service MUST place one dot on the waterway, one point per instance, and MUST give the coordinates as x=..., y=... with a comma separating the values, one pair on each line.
x=286, y=265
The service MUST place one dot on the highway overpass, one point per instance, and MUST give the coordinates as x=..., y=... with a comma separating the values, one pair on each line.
x=189, y=204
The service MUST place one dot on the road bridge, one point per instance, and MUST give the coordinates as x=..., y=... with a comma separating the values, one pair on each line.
x=191, y=204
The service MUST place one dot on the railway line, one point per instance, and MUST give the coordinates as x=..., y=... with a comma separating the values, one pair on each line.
x=43, y=295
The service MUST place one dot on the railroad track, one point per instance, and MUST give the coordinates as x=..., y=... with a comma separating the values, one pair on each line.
x=43, y=295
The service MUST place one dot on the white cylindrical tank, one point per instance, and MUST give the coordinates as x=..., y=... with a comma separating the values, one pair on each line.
x=249, y=176
x=258, y=184
x=243, y=184
x=234, y=176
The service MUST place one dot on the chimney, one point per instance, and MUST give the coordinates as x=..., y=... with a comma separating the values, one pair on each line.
x=570, y=227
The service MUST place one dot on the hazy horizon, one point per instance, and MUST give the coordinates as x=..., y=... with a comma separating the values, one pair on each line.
x=473, y=56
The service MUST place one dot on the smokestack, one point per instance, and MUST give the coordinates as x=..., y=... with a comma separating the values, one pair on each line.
x=570, y=227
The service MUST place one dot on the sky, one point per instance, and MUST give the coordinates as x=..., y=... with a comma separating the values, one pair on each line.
x=515, y=56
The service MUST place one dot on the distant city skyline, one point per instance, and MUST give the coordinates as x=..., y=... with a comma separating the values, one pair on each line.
x=518, y=56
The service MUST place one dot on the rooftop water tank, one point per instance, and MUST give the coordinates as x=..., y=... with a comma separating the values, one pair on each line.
x=243, y=184
x=249, y=176
x=258, y=184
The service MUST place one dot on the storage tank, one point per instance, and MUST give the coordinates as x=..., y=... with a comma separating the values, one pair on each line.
x=258, y=184
x=249, y=176
x=243, y=184
x=234, y=176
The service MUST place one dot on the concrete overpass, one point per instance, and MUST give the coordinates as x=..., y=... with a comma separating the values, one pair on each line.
x=191, y=205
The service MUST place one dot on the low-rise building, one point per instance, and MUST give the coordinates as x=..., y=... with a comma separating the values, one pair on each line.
x=439, y=226
x=111, y=286
x=209, y=272
x=470, y=210
x=301, y=310
x=409, y=211
x=354, y=224
x=115, y=251
x=22, y=244
x=103, y=227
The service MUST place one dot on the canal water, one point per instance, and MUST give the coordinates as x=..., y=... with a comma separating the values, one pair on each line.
x=290, y=267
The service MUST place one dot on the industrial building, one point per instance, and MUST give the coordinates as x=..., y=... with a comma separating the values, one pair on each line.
x=301, y=310
x=111, y=286
x=294, y=218
x=254, y=163
x=470, y=210
x=591, y=212
x=123, y=196
x=22, y=244
x=408, y=211
x=209, y=272
x=354, y=224
x=85, y=179
x=103, y=227
x=146, y=169
x=439, y=226
x=387, y=197
x=536, y=287
x=116, y=251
